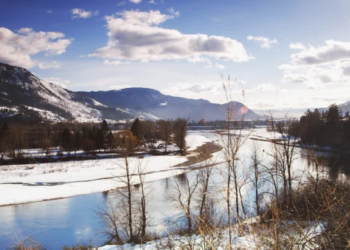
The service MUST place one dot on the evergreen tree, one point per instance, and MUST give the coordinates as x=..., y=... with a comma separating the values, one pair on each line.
x=333, y=115
x=3, y=140
x=99, y=140
x=104, y=126
x=165, y=132
x=110, y=140
x=66, y=139
x=77, y=141
x=4, y=129
x=180, y=132
x=347, y=115
x=136, y=130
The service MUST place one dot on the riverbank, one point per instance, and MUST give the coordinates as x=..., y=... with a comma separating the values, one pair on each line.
x=40, y=182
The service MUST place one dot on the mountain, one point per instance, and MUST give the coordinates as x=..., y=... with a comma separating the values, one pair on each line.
x=281, y=113
x=150, y=101
x=23, y=96
x=345, y=107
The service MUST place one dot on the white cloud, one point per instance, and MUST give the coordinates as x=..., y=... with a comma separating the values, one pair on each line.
x=115, y=62
x=318, y=76
x=194, y=90
x=50, y=65
x=214, y=65
x=215, y=19
x=294, y=77
x=80, y=13
x=120, y=86
x=265, y=87
x=317, y=67
x=136, y=35
x=207, y=61
x=173, y=12
x=17, y=48
x=297, y=46
x=49, y=11
x=331, y=52
x=57, y=81
x=209, y=90
x=136, y=1
x=152, y=2
x=264, y=42
x=121, y=3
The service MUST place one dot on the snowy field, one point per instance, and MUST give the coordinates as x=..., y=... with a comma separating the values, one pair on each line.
x=245, y=242
x=38, y=182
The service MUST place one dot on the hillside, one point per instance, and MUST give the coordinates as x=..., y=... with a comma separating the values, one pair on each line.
x=23, y=96
x=164, y=106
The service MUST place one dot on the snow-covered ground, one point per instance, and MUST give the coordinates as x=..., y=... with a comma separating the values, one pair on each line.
x=220, y=241
x=193, y=141
x=245, y=242
x=37, y=182
x=47, y=114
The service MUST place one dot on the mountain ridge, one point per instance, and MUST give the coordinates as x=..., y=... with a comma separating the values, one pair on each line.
x=24, y=96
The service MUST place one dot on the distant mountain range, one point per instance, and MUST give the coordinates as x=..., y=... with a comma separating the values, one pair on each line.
x=281, y=113
x=143, y=100
x=23, y=96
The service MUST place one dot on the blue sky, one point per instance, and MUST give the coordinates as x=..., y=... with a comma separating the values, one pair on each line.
x=284, y=54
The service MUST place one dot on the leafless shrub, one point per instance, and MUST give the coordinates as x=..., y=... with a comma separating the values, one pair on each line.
x=28, y=244
x=79, y=247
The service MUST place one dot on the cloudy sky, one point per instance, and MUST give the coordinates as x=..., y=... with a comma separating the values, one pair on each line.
x=283, y=54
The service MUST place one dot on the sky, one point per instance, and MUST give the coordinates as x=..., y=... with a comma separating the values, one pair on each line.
x=277, y=54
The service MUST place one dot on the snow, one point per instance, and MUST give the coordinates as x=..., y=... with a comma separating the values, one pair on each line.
x=247, y=241
x=64, y=179
x=57, y=180
x=59, y=97
x=8, y=108
x=96, y=103
x=194, y=140
x=8, y=112
x=220, y=240
x=47, y=114
x=145, y=115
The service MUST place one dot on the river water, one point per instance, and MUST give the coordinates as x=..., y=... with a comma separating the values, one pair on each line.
x=74, y=220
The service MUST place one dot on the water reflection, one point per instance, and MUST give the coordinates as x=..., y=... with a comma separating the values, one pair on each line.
x=181, y=179
x=55, y=223
x=334, y=165
x=72, y=220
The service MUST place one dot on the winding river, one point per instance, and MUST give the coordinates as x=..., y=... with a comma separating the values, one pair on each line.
x=74, y=220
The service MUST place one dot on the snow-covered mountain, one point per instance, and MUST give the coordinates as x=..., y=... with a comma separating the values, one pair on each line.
x=345, y=107
x=150, y=101
x=25, y=96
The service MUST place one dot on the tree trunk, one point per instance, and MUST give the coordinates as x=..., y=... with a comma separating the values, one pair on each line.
x=129, y=200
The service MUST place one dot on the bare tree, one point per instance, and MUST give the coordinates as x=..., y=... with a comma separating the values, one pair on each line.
x=184, y=189
x=255, y=167
x=111, y=221
x=126, y=143
x=141, y=170
x=232, y=143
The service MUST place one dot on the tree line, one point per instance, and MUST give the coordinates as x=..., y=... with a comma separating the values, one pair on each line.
x=326, y=128
x=72, y=137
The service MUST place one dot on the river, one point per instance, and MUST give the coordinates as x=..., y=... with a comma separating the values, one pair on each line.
x=74, y=220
